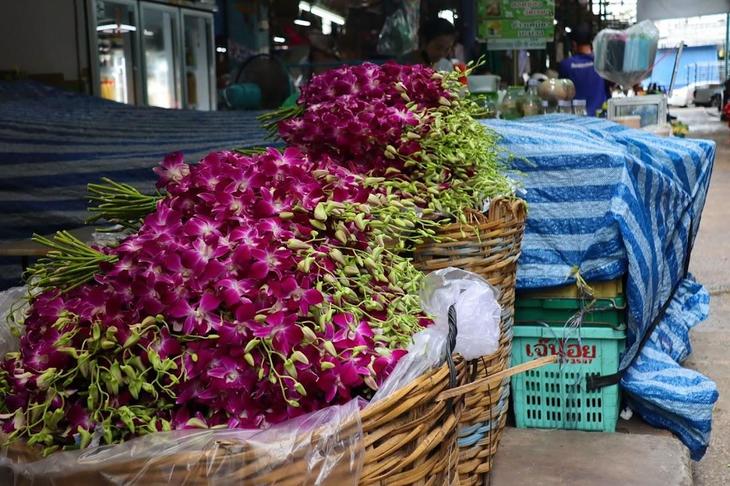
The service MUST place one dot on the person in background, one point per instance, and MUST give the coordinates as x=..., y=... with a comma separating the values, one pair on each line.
x=438, y=37
x=579, y=68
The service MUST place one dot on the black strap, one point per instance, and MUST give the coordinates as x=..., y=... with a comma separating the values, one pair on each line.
x=596, y=382
x=451, y=345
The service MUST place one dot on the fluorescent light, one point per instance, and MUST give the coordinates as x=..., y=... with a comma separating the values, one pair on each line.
x=325, y=14
x=555, y=22
x=221, y=49
x=447, y=14
x=120, y=27
x=568, y=30
x=280, y=40
x=302, y=22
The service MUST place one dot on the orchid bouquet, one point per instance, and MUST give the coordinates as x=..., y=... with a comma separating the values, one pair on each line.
x=256, y=291
x=408, y=124
x=257, y=286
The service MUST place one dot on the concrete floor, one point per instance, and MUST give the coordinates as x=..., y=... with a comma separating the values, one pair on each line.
x=711, y=265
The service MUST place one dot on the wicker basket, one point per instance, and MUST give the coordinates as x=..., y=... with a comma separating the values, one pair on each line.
x=407, y=438
x=493, y=255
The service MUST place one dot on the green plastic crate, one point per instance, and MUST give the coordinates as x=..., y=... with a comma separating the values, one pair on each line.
x=555, y=396
x=604, y=290
x=556, y=312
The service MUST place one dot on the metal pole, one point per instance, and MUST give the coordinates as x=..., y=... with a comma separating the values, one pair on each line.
x=469, y=25
x=727, y=41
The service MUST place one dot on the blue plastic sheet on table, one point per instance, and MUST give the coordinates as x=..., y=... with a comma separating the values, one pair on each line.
x=606, y=201
x=53, y=143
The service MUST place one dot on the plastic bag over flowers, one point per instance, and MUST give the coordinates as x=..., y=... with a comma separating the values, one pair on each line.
x=322, y=448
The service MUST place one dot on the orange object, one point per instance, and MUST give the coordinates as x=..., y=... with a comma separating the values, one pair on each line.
x=461, y=67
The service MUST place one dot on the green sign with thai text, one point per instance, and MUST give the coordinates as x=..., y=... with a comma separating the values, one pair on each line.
x=516, y=24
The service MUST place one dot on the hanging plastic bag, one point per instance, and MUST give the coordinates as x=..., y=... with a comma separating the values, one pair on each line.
x=477, y=309
x=626, y=56
x=477, y=319
x=399, y=34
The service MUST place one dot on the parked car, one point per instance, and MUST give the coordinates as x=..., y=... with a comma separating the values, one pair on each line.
x=710, y=95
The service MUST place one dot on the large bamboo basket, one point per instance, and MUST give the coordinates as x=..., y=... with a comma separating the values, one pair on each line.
x=407, y=438
x=489, y=246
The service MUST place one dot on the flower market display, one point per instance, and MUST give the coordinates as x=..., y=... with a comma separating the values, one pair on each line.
x=255, y=287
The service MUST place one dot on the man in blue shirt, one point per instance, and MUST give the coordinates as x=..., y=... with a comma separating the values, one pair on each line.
x=579, y=68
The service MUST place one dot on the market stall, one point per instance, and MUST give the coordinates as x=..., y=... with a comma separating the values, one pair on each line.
x=604, y=201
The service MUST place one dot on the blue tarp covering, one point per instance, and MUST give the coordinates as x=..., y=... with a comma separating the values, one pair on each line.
x=604, y=200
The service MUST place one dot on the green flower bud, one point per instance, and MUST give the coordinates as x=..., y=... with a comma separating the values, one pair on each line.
x=250, y=345
x=290, y=368
x=330, y=348
x=337, y=256
x=300, y=357
x=295, y=244
x=196, y=423
x=131, y=340
x=318, y=224
x=341, y=236
x=320, y=212
x=309, y=335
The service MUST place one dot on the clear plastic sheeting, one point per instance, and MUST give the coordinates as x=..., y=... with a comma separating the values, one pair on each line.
x=12, y=310
x=427, y=351
x=477, y=309
x=626, y=56
x=322, y=448
x=399, y=34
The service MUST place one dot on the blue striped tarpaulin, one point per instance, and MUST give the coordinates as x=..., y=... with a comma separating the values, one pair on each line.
x=604, y=201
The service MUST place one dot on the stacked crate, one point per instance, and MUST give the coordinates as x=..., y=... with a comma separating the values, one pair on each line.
x=588, y=332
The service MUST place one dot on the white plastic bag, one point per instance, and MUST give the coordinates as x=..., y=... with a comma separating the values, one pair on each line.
x=477, y=320
x=477, y=310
